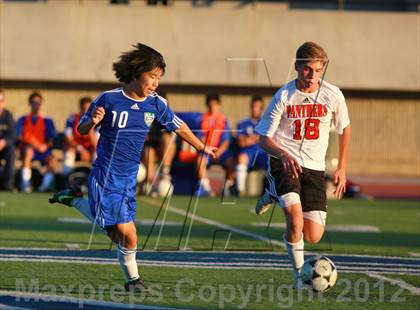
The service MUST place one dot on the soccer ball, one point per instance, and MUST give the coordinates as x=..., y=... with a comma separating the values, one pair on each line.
x=320, y=272
x=165, y=188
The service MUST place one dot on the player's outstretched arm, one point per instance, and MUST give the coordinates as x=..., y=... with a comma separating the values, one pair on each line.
x=340, y=173
x=290, y=164
x=186, y=134
x=86, y=125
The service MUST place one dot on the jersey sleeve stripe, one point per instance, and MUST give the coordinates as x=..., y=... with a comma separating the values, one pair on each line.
x=178, y=121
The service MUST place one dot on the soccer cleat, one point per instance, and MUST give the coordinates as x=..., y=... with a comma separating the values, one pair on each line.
x=263, y=204
x=201, y=192
x=297, y=279
x=300, y=285
x=136, y=285
x=25, y=187
x=66, y=196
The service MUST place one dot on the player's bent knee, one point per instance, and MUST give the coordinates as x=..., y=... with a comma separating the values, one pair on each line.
x=313, y=237
x=129, y=241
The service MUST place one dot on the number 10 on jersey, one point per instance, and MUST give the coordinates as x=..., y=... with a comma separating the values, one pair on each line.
x=122, y=119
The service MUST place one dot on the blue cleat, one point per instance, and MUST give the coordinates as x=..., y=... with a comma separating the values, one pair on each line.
x=263, y=204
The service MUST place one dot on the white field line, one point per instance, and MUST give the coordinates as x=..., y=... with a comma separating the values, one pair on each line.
x=342, y=228
x=367, y=256
x=414, y=254
x=407, y=286
x=242, y=261
x=218, y=224
x=3, y=306
x=210, y=253
x=205, y=260
x=207, y=266
x=78, y=301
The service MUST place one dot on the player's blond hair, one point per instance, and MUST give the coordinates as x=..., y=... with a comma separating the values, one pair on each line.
x=310, y=51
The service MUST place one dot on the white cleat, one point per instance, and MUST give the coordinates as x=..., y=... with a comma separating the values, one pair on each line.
x=263, y=204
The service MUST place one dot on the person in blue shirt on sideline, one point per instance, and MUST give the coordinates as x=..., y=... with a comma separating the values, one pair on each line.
x=124, y=116
x=251, y=155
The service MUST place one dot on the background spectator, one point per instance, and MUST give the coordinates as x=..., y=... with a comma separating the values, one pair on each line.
x=36, y=134
x=251, y=155
x=76, y=144
x=215, y=131
x=7, y=145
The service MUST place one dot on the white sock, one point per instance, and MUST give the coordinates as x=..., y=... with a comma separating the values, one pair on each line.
x=205, y=183
x=166, y=172
x=47, y=181
x=68, y=162
x=241, y=173
x=26, y=174
x=296, y=254
x=128, y=262
x=83, y=206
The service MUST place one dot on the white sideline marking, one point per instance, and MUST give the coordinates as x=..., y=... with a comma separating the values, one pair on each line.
x=260, y=261
x=307, y=253
x=77, y=220
x=79, y=301
x=206, y=265
x=72, y=246
x=343, y=228
x=3, y=306
x=281, y=264
x=411, y=288
x=369, y=256
x=414, y=254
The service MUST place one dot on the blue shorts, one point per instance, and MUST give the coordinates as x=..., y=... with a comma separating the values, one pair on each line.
x=111, y=207
x=258, y=159
x=41, y=156
x=221, y=161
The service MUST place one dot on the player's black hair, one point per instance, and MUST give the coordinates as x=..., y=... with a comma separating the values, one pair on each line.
x=256, y=98
x=211, y=97
x=34, y=94
x=84, y=100
x=135, y=62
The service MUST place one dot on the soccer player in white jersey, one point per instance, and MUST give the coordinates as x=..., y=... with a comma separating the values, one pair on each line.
x=294, y=131
x=124, y=116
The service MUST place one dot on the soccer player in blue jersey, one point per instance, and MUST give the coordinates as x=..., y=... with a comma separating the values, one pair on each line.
x=124, y=116
x=251, y=155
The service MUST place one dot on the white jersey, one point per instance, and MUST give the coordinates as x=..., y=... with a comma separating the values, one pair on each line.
x=301, y=126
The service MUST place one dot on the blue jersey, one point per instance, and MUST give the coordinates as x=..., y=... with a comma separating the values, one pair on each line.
x=123, y=131
x=246, y=128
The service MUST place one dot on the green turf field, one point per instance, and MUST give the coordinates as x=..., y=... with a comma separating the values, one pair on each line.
x=29, y=221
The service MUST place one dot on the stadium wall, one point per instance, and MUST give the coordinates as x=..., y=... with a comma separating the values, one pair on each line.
x=71, y=45
x=77, y=40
